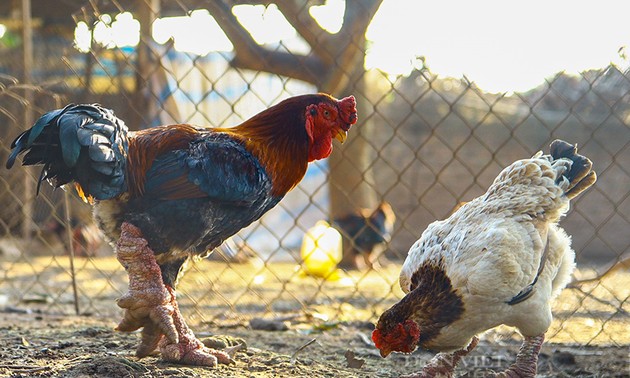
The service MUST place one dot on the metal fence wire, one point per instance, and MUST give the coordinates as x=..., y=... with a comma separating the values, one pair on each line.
x=423, y=145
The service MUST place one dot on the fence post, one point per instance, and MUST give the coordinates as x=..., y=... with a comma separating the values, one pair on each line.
x=66, y=203
x=27, y=61
x=148, y=12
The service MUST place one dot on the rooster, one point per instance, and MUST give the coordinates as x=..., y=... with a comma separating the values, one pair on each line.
x=499, y=259
x=167, y=194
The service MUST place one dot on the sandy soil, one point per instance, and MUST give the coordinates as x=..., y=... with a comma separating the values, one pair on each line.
x=39, y=345
x=589, y=336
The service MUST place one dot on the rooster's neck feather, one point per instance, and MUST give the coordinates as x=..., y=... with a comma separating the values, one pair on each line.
x=277, y=137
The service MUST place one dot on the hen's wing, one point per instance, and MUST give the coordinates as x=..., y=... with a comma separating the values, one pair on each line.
x=477, y=253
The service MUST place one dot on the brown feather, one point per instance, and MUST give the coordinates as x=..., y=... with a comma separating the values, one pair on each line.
x=432, y=303
x=146, y=145
x=278, y=138
x=181, y=188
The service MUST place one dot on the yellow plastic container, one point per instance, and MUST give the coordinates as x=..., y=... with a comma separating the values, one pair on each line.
x=321, y=250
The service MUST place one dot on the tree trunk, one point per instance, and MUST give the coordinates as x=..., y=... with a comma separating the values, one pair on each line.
x=336, y=66
x=148, y=12
x=352, y=183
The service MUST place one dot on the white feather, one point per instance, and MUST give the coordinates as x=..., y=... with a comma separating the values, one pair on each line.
x=491, y=249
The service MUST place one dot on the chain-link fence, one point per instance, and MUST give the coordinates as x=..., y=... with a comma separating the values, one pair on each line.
x=423, y=145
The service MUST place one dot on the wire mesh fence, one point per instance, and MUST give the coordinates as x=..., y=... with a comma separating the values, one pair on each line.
x=424, y=144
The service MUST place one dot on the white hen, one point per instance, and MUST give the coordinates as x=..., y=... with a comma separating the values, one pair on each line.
x=499, y=259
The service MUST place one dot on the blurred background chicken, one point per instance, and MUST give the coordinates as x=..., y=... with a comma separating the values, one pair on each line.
x=167, y=194
x=499, y=259
x=86, y=237
x=366, y=234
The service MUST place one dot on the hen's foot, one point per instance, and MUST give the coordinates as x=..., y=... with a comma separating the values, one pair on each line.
x=189, y=350
x=527, y=359
x=147, y=303
x=443, y=364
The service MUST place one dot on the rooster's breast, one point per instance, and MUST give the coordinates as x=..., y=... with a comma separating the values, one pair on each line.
x=195, y=225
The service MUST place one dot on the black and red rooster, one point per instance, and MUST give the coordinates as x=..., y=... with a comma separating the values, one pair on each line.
x=167, y=194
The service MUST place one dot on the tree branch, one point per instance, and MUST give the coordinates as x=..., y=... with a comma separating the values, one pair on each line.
x=250, y=55
x=359, y=15
x=334, y=58
x=305, y=68
x=350, y=51
x=321, y=42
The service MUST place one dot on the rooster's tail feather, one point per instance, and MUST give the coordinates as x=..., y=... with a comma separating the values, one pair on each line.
x=82, y=143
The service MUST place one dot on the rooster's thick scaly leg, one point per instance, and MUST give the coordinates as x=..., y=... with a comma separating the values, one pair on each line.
x=188, y=349
x=526, y=360
x=147, y=303
x=443, y=364
x=151, y=305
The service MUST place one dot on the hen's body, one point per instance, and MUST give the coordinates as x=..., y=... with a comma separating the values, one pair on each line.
x=489, y=256
x=499, y=259
x=169, y=193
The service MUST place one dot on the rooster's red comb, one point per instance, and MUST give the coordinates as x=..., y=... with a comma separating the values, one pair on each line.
x=348, y=110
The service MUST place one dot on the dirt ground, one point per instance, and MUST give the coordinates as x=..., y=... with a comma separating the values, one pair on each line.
x=590, y=335
x=39, y=345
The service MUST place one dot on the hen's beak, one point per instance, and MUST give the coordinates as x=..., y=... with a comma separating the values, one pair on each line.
x=341, y=135
x=385, y=352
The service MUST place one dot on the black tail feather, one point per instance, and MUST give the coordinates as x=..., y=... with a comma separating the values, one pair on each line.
x=18, y=147
x=580, y=176
x=70, y=144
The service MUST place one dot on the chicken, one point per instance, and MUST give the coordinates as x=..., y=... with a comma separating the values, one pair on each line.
x=367, y=232
x=499, y=259
x=168, y=194
x=86, y=238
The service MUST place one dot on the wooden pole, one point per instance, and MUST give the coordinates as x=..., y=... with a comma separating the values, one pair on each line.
x=148, y=12
x=75, y=291
x=27, y=62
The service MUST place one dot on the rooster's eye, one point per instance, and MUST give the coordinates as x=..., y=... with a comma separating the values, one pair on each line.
x=326, y=113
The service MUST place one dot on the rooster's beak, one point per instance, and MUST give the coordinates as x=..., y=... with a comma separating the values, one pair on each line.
x=341, y=135
x=385, y=352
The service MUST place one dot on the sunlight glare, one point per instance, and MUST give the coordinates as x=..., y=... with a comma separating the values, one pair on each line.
x=330, y=15
x=123, y=31
x=501, y=46
x=82, y=37
x=265, y=23
x=187, y=30
x=259, y=279
x=3, y=30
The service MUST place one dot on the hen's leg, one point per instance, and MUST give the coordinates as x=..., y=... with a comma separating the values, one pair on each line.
x=147, y=303
x=526, y=360
x=443, y=364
